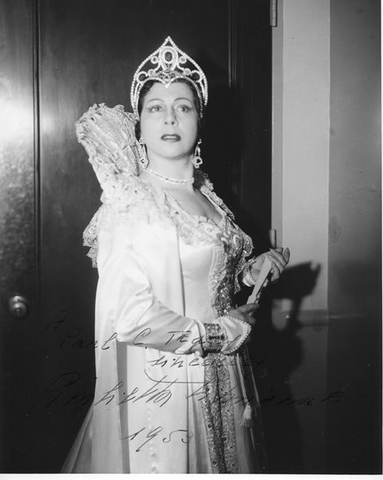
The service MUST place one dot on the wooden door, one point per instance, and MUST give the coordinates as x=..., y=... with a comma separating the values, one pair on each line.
x=58, y=58
x=17, y=250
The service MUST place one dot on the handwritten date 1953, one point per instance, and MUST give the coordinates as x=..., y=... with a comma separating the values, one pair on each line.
x=176, y=435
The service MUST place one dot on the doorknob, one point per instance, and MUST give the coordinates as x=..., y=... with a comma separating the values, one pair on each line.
x=18, y=306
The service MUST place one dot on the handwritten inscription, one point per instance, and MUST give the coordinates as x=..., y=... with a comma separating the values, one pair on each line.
x=73, y=337
x=66, y=388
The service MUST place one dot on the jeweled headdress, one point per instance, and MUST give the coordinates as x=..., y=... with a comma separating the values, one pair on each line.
x=167, y=64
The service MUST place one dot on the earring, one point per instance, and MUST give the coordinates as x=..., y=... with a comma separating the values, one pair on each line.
x=197, y=160
x=144, y=161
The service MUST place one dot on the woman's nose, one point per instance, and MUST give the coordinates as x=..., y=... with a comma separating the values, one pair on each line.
x=170, y=117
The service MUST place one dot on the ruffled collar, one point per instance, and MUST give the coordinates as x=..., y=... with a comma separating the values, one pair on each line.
x=145, y=203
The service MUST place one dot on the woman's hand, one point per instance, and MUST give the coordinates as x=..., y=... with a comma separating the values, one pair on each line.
x=245, y=313
x=279, y=258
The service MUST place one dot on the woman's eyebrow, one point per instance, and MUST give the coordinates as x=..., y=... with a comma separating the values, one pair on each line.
x=154, y=100
x=183, y=98
x=175, y=100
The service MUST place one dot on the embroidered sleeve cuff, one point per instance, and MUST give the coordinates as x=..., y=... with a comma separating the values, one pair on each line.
x=214, y=338
x=226, y=337
x=236, y=332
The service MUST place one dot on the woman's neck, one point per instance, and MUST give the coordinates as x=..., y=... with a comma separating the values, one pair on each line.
x=175, y=168
x=170, y=173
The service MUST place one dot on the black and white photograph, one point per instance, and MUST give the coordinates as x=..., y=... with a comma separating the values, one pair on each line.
x=190, y=237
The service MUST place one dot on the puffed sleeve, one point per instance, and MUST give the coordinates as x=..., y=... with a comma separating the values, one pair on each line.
x=126, y=298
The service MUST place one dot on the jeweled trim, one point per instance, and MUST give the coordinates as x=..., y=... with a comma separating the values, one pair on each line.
x=214, y=338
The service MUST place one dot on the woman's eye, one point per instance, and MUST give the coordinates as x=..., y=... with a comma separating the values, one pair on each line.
x=184, y=108
x=155, y=108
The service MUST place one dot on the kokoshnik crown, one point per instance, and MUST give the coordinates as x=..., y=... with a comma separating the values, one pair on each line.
x=167, y=64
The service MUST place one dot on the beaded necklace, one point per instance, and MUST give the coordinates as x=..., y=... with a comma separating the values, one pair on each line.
x=174, y=181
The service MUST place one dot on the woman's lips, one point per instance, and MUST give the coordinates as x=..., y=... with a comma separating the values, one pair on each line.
x=171, y=137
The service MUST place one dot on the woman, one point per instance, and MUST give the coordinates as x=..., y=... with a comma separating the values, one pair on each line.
x=174, y=391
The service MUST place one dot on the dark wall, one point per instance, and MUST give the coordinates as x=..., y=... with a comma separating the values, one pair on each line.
x=354, y=289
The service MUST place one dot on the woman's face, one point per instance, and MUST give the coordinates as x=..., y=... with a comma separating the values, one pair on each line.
x=169, y=121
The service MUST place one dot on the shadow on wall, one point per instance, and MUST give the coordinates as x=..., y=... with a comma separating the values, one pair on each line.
x=276, y=354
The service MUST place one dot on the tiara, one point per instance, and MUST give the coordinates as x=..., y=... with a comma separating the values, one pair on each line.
x=166, y=64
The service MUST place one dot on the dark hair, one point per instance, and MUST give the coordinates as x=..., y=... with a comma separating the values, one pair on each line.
x=145, y=90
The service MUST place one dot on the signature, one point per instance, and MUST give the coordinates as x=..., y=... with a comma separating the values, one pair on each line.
x=67, y=393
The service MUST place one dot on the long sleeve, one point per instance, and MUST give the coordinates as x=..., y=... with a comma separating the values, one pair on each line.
x=125, y=294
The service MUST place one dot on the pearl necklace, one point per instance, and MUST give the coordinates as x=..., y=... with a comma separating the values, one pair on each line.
x=174, y=181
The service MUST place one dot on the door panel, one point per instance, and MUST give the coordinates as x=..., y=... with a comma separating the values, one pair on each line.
x=17, y=232
x=85, y=52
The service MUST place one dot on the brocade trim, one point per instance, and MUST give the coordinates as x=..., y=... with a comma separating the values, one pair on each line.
x=247, y=243
x=218, y=414
x=227, y=256
x=218, y=408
